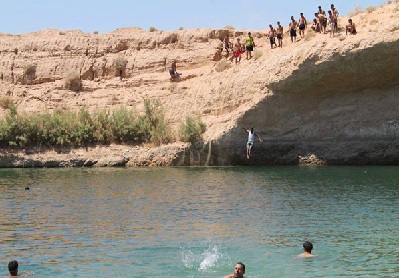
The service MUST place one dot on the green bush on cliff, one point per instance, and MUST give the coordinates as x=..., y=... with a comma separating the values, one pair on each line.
x=79, y=128
x=153, y=123
x=192, y=129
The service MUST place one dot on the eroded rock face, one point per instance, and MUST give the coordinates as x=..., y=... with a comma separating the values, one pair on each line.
x=334, y=98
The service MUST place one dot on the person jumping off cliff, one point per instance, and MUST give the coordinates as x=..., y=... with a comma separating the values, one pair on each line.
x=251, y=139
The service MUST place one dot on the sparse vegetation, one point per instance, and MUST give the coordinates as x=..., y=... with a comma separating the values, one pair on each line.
x=356, y=10
x=373, y=21
x=181, y=28
x=80, y=128
x=309, y=35
x=192, y=129
x=371, y=9
x=395, y=28
x=222, y=65
x=62, y=33
x=120, y=63
x=257, y=54
x=6, y=102
x=30, y=72
x=72, y=81
x=229, y=27
x=153, y=29
x=95, y=32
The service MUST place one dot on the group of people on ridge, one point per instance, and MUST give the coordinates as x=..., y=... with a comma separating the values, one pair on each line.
x=276, y=34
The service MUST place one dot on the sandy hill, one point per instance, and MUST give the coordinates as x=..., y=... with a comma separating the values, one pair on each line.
x=329, y=100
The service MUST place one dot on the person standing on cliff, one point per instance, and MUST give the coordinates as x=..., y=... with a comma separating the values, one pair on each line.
x=335, y=14
x=293, y=27
x=279, y=31
x=251, y=139
x=249, y=45
x=302, y=25
x=272, y=36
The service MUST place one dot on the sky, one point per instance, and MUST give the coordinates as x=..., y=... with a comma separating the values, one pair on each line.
x=25, y=16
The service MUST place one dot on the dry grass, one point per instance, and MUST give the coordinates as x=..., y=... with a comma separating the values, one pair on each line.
x=389, y=2
x=309, y=35
x=257, y=54
x=120, y=63
x=356, y=10
x=396, y=28
x=222, y=65
x=229, y=27
x=153, y=29
x=72, y=81
x=371, y=9
x=6, y=102
x=373, y=21
x=173, y=88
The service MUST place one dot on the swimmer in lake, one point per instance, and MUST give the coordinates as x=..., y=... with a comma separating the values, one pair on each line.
x=307, y=248
x=13, y=268
x=239, y=271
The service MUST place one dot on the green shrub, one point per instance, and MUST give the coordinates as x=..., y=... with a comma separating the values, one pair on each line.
x=79, y=128
x=192, y=129
x=153, y=123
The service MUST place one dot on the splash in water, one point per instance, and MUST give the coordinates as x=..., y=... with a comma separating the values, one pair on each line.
x=202, y=259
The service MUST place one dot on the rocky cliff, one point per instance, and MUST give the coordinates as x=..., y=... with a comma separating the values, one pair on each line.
x=320, y=100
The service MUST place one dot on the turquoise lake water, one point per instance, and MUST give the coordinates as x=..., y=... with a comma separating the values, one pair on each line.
x=198, y=222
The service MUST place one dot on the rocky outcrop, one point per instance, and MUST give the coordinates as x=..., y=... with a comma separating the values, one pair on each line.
x=321, y=100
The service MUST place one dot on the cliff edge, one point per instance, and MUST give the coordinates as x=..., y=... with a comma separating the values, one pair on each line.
x=320, y=100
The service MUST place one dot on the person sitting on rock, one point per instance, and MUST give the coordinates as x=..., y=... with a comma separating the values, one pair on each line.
x=174, y=75
x=351, y=27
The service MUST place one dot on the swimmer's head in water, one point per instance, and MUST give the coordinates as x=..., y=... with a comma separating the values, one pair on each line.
x=308, y=246
x=13, y=267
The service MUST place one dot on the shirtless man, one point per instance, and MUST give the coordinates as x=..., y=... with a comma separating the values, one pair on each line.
x=279, y=31
x=293, y=26
x=227, y=45
x=351, y=28
x=237, y=51
x=335, y=14
x=272, y=36
x=302, y=25
x=331, y=23
x=307, y=248
x=239, y=271
x=321, y=14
